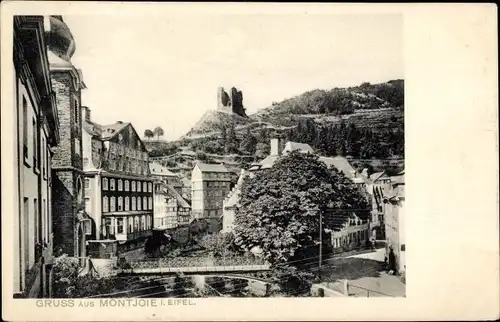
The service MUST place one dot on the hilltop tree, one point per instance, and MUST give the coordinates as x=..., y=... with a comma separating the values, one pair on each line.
x=280, y=208
x=231, y=144
x=148, y=134
x=158, y=131
x=249, y=143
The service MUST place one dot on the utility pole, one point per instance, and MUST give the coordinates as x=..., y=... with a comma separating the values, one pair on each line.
x=320, y=239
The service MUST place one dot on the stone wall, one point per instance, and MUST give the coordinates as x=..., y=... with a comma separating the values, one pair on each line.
x=64, y=205
x=232, y=102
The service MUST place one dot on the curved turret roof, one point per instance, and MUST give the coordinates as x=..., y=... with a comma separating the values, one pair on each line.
x=61, y=41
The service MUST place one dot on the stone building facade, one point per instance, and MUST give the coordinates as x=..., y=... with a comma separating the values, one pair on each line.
x=35, y=129
x=119, y=186
x=69, y=219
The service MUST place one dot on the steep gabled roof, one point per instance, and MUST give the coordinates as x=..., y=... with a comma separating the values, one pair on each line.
x=377, y=175
x=158, y=169
x=302, y=147
x=207, y=167
x=180, y=201
x=111, y=130
x=104, y=132
x=343, y=165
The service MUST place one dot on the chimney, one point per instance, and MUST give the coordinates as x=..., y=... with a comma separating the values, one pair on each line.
x=86, y=113
x=276, y=146
x=365, y=172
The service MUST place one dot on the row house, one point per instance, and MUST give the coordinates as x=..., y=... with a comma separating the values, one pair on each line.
x=378, y=186
x=353, y=233
x=119, y=186
x=162, y=174
x=172, y=210
x=210, y=184
x=49, y=169
x=35, y=129
x=395, y=223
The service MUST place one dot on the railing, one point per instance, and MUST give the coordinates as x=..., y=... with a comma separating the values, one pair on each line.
x=205, y=269
x=368, y=292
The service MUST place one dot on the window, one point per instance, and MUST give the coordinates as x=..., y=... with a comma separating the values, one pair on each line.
x=145, y=203
x=130, y=224
x=120, y=185
x=403, y=247
x=133, y=203
x=87, y=205
x=42, y=157
x=138, y=186
x=105, y=184
x=77, y=115
x=145, y=187
x=126, y=185
x=133, y=185
x=119, y=224
x=112, y=204
x=136, y=223
x=85, y=161
x=150, y=187
x=143, y=222
x=120, y=203
x=87, y=183
x=138, y=203
x=25, y=128
x=112, y=184
x=105, y=204
x=150, y=203
x=35, y=144
x=127, y=204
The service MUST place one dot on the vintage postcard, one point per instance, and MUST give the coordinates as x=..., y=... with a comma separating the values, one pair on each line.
x=248, y=161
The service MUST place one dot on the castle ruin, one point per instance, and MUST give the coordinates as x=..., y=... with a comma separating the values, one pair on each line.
x=232, y=102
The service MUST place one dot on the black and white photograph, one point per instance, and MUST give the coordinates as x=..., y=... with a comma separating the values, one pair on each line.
x=225, y=156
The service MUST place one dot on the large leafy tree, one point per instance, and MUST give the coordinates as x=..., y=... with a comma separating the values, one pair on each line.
x=280, y=208
x=148, y=134
x=158, y=131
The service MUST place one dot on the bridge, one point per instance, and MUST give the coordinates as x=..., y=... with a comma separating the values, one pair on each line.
x=193, y=270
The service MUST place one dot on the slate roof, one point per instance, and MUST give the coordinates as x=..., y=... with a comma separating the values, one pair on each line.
x=338, y=162
x=180, y=201
x=158, y=169
x=207, y=167
x=377, y=175
x=111, y=130
x=292, y=146
x=104, y=132
x=343, y=165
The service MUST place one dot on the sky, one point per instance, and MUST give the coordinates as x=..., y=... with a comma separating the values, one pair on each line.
x=165, y=70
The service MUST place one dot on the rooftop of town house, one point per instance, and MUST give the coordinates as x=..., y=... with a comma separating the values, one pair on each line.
x=208, y=167
x=293, y=146
x=180, y=200
x=158, y=169
x=398, y=180
x=377, y=175
x=104, y=132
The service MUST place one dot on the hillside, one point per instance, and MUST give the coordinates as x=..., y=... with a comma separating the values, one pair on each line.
x=365, y=122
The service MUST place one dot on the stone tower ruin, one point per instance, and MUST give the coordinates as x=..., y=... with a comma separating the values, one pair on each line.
x=232, y=102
